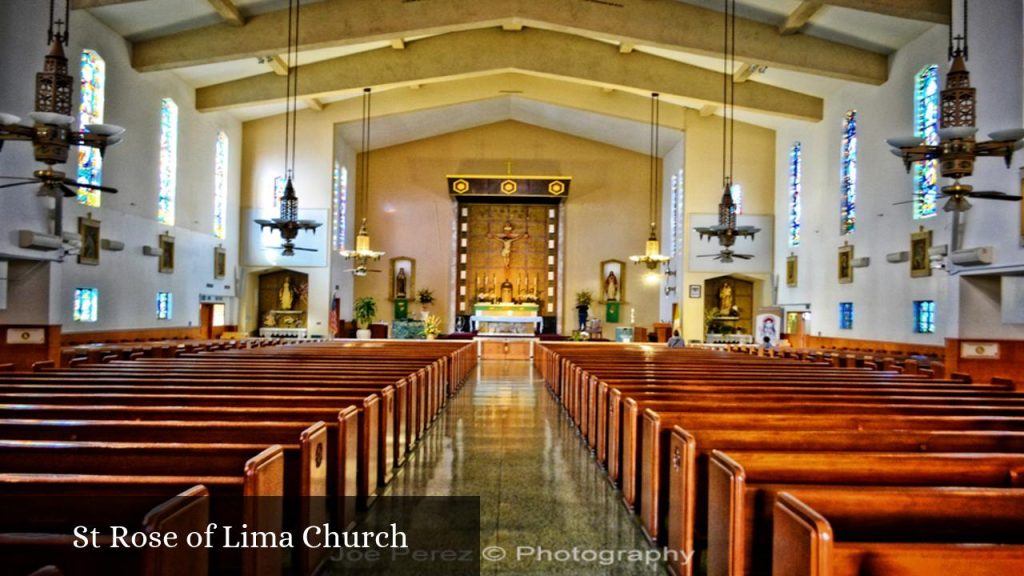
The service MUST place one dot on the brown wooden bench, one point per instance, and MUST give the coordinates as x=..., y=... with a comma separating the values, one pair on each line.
x=907, y=531
x=32, y=537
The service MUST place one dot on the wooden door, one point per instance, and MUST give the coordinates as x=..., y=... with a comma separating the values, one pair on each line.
x=206, y=321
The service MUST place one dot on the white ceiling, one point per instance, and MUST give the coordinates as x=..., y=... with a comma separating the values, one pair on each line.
x=153, y=18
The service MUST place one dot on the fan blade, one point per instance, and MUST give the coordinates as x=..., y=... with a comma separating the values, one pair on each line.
x=992, y=195
x=743, y=256
x=68, y=192
x=107, y=189
x=18, y=178
x=19, y=184
x=709, y=255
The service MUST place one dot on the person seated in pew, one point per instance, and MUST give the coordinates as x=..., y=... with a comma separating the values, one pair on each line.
x=676, y=341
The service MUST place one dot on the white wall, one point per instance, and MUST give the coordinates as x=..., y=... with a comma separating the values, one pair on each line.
x=883, y=293
x=128, y=281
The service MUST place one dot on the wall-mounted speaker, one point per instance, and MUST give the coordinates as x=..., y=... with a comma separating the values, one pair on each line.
x=897, y=257
x=111, y=245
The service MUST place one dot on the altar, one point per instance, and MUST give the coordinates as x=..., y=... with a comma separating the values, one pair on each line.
x=503, y=319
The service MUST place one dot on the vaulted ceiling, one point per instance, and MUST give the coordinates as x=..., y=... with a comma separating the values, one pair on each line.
x=790, y=53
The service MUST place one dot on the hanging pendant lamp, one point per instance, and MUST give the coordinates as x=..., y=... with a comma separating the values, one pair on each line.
x=363, y=254
x=652, y=256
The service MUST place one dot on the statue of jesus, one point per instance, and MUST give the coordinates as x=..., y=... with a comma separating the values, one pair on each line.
x=507, y=238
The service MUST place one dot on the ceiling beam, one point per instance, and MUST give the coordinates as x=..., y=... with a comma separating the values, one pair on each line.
x=486, y=51
x=668, y=24
x=277, y=64
x=315, y=104
x=935, y=11
x=228, y=11
x=85, y=4
x=799, y=17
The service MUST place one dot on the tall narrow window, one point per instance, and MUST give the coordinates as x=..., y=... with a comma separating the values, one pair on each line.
x=164, y=305
x=279, y=183
x=926, y=125
x=848, y=175
x=168, y=161
x=220, y=185
x=679, y=214
x=846, y=315
x=86, y=304
x=674, y=208
x=795, y=171
x=90, y=111
x=924, y=316
x=737, y=197
x=340, y=197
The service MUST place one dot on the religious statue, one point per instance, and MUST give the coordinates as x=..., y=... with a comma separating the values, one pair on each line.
x=400, y=282
x=725, y=301
x=285, y=296
x=507, y=238
x=611, y=287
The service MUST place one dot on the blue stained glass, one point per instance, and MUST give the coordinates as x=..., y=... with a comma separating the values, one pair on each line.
x=926, y=125
x=737, y=197
x=279, y=183
x=220, y=186
x=795, y=171
x=168, y=161
x=340, y=198
x=86, y=304
x=164, y=305
x=924, y=316
x=848, y=175
x=846, y=315
x=90, y=111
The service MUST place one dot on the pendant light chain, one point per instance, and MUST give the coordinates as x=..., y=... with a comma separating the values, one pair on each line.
x=365, y=188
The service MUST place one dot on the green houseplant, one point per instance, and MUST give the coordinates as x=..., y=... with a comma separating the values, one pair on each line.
x=364, y=310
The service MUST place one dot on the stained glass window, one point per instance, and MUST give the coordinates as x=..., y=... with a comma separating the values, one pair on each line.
x=220, y=185
x=90, y=111
x=168, y=161
x=924, y=316
x=846, y=315
x=279, y=183
x=926, y=125
x=848, y=175
x=795, y=171
x=164, y=305
x=340, y=195
x=673, y=211
x=737, y=197
x=86, y=304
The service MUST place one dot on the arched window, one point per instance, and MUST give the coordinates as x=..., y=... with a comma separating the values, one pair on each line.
x=168, y=161
x=340, y=199
x=220, y=185
x=926, y=125
x=90, y=111
x=848, y=175
x=795, y=170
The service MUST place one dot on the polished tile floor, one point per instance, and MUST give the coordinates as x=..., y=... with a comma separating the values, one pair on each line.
x=545, y=504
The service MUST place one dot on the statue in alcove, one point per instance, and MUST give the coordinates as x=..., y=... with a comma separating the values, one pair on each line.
x=285, y=296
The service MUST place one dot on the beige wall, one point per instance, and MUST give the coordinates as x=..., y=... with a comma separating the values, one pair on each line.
x=754, y=169
x=605, y=214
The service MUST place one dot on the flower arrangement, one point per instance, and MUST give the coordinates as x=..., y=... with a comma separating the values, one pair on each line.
x=432, y=325
x=425, y=296
x=584, y=298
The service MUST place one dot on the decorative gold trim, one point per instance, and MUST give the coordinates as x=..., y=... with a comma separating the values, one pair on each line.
x=920, y=262
x=792, y=271
x=506, y=177
x=556, y=187
x=845, y=267
x=89, y=230
x=509, y=187
x=460, y=186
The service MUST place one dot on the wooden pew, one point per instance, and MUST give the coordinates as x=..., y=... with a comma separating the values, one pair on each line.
x=908, y=531
x=740, y=483
x=30, y=536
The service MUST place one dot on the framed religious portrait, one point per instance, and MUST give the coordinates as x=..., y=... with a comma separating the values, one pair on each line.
x=920, y=244
x=89, y=230
x=846, y=264
x=166, y=254
x=613, y=281
x=695, y=290
x=791, y=271
x=220, y=262
x=403, y=278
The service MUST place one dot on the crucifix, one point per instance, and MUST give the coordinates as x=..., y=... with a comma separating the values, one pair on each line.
x=507, y=238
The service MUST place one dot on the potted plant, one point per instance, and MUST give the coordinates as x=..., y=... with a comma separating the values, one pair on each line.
x=432, y=326
x=583, y=300
x=364, y=310
x=425, y=298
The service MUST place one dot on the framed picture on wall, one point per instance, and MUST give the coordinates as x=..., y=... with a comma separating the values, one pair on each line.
x=220, y=262
x=695, y=290
x=613, y=281
x=791, y=271
x=89, y=230
x=920, y=244
x=846, y=264
x=166, y=254
x=403, y=278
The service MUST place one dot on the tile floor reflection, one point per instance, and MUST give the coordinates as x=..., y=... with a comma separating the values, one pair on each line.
x=505, y=439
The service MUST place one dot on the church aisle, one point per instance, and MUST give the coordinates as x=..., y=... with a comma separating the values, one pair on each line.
x=505, y=439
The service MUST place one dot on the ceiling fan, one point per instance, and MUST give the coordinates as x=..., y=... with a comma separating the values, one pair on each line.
x=53, y=184
x=360, y=270
x=726, y=256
